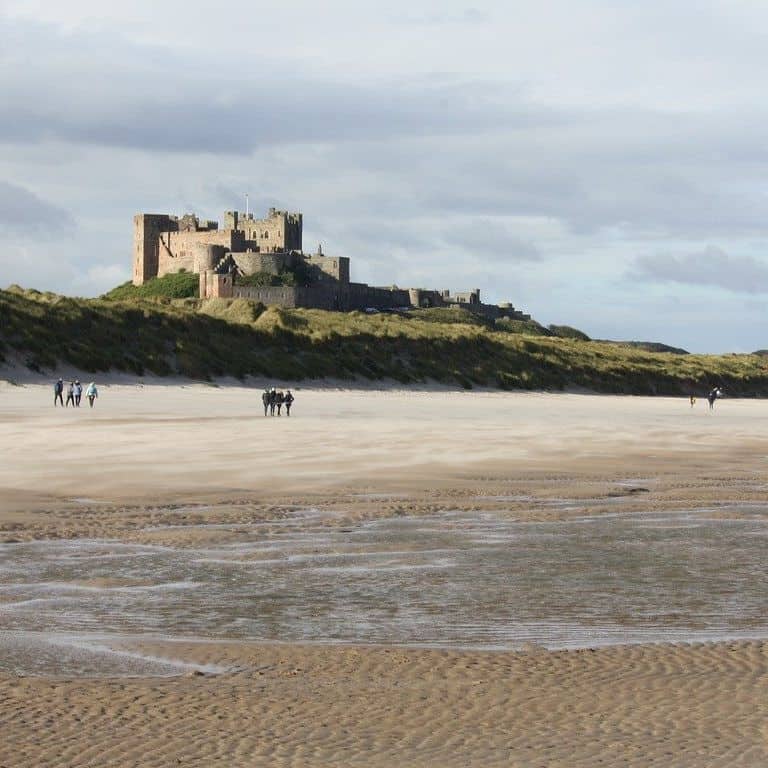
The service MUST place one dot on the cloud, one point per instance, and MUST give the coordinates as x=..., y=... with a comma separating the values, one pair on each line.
x=101, y=277
x=24, y=214
x=710, y=267
x=143, y=97
x=490, y=240
x=463, y=17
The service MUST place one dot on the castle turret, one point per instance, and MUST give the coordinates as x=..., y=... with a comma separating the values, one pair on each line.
x=146, y=245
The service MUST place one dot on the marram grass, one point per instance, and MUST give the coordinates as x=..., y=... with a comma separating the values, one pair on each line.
x=217, y=337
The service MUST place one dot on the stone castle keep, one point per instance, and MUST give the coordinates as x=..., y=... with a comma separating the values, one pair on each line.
x=247, y=246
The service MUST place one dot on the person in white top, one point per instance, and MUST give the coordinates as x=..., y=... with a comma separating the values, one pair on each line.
x=91, y=393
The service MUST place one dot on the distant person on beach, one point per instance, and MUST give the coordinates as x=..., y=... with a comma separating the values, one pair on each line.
x=272, y=401
x=58, y=388
x=279, y=400
x=70, y=394
x=91, y=393
x=265, y=400
x=288, y=400
x=713, y=395
x=693, y=400
x=78, y=392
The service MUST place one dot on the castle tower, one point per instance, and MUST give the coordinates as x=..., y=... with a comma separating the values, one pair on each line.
x=146, y=244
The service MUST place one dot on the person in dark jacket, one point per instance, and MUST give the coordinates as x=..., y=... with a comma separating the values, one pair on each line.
x=70, y=394
x=265, y=400
x=58, y=388
x=288, y=400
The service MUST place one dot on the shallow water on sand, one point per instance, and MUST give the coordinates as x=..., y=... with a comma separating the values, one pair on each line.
x=454, y=579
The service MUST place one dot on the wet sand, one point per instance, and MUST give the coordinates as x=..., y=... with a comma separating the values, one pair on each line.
x=197, y=467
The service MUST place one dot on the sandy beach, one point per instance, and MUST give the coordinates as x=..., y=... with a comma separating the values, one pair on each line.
x=387, y=578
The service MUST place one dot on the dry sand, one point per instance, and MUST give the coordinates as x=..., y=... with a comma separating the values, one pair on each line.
x=127, y=465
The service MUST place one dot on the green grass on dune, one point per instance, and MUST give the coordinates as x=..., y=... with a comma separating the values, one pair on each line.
x=206, y=339
x=181, y=285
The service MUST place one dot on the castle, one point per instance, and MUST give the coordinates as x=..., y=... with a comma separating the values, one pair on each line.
x=246, y=246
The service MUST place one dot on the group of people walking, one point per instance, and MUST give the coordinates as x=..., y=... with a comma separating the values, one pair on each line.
x=74, y=393
x=274, y=401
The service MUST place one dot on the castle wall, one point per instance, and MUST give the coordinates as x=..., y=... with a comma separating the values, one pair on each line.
x=183, y=250
x=466, y=297
x=279, y=231
x=363, y=296
x=332, y=296
x=214, y=285
x=420, y=297
x=281, y=296
x=334, y=268
x=251, y=262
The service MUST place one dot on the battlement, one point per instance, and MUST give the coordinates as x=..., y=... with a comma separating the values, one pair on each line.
x=278, y=231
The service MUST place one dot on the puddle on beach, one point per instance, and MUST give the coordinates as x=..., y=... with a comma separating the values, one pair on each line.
x=473, y=580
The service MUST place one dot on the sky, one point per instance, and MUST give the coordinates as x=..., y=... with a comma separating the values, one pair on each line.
x=598, y=164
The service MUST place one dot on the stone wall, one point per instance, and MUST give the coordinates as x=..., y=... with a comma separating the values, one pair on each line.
x=334, y=268
x=279, y=231
x=281, y=296
x=214, y=285
x=364, y=296
x=250, y=262
x=183, y=250
x=331, y=296
x=146, y=230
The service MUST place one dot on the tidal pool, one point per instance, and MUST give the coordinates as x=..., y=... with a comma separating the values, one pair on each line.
x=474, y=580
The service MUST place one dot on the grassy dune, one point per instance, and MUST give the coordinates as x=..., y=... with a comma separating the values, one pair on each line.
x=205, y=339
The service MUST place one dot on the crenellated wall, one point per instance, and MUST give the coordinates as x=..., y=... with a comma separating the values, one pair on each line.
x=278, y=231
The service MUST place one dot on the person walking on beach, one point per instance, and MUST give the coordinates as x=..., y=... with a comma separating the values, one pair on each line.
x=58, y=388
x=712, y=396
x=78, y=392
x=288, y=400
x=272, y=401
x=265, y=400
x=693, y=400
x=91, y=393
x=70, y=394
x=279, y=400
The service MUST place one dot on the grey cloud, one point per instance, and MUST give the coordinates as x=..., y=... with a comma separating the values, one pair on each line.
x=710, y=267
x=205, y=105
x=22, y=213
x=440, y=146
x=490, y=240
x=651, y=188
